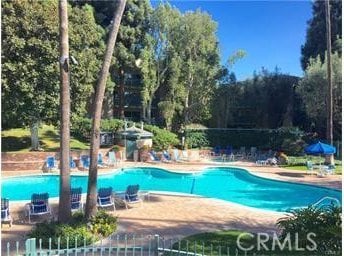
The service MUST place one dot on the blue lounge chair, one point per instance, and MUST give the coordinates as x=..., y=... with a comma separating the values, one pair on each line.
x=5, y=211
x=217, y=151
x=105, y=198
x=72, y=164
x=85, y=161
x=39, y=205
x=75, y=199
x=154, y=157
x=132, y=195
x=51, y=163
x=166, y=156
x=100, y=161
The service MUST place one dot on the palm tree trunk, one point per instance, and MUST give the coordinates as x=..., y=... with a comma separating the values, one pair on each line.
x=91, y=200
x=329, y=101
x=121, y=95
x=64, y=200
x=34, y=135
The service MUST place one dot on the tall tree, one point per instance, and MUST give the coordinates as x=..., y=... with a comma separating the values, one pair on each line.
x=64, y=202
x=329, y=98
x=30, y=74
x=91, y=200
x=130, y=42
x=316, y=32
x=199, y=50
x=156, y=54
x=311, y=90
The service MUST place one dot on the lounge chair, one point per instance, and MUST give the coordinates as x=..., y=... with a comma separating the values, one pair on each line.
x=112, y=160
x=85, y=161
x=72, y=164
x=185, y=156
x=5, y=211
x=310, y=168
x=216, y=151
x=51, y=163
x=105, y=198
x=75, y=199
x=39, y=205
x=166, y=155
x=229, y=153
x=100, y=161
x=154, y=156
x=131, y=195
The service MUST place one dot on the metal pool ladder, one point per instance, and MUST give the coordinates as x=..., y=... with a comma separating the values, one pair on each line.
x=332, y=199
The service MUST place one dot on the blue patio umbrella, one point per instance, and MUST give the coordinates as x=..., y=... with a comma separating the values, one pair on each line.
x=320, y=148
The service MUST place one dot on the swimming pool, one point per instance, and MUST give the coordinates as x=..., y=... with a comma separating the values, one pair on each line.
x=227, y=183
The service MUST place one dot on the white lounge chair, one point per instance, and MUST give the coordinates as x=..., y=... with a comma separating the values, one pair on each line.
x=105, y=198
x=5, y=211
x=39, y=205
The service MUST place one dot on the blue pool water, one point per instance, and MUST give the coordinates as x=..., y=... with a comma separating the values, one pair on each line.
x=231, y=184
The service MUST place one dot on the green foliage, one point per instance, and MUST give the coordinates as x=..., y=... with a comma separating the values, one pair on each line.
x=103, y=224
x=263, y=139
x=30, y=73
x=316, y=32
x=100, y=225
x=162, y=139
x=197, y=140
x=326, y=223
x=313, y=94
x=81, y=127
x=266, y=101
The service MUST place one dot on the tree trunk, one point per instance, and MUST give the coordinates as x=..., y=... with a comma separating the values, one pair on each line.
x=329, y=101
x=149, y=111
x=34, y=135
x=121, y=95
x=91, y=200
x=64, y=200
x=144, y=112
x=186, y=109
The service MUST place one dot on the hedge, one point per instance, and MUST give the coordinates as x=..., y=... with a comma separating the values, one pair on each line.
x=277, y=139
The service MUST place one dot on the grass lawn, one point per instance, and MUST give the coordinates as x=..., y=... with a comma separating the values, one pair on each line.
x=225, y=243
x=19, y=140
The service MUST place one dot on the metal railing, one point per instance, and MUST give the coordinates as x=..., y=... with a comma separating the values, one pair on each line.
x=119, y=245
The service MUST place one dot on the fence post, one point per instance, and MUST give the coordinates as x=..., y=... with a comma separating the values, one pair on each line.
x=156, y=245
x=30, y=247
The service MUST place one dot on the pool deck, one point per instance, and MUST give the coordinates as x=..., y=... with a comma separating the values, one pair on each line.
x=179, y=216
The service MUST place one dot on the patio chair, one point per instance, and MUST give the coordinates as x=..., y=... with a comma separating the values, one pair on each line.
x=51, y=163
x=85, y=161
x=185, y=156
x=216, y=151
x=75, y=199
x=39, y=205
x=310, y=168
x=5, y=211
x=72, y=164
x=131, y=195
x=166, y=156
x=154, y=156
x=229, y=153
x=105, y=198
x=100, y=161
x=112, y=161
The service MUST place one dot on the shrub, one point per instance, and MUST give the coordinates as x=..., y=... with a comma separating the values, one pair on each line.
x=162, y=139
x=197, y=140
x=324, y=222
x=81, y=127
x=101, y=225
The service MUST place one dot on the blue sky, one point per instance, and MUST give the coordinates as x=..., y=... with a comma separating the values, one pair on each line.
x=271, y=32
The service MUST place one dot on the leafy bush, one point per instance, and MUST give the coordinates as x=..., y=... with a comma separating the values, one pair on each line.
x=197, y=140
x=103, y=224
x=78, y=229
x=264, y=139
x=325, y=223
x=81, y=128
x=162, y=139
